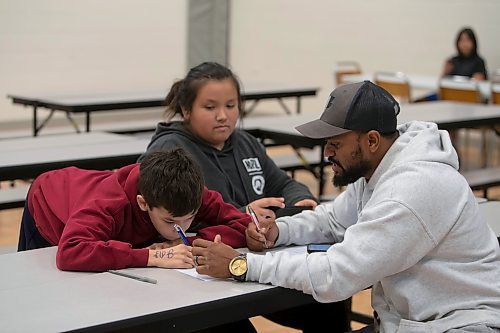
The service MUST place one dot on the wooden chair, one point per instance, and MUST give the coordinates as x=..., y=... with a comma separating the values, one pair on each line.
x=495, y=87
x=459, y=89
x=463, y=89
x=396, y=83
x=345, y=68
x=495, y=93
x=495, y=99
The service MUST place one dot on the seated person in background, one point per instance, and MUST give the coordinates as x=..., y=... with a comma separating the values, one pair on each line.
x=467, y=62
x=104, y=220
x=235, y=164
x=407, y=224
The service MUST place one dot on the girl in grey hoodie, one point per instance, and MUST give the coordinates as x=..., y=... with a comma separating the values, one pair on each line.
x=233, y=162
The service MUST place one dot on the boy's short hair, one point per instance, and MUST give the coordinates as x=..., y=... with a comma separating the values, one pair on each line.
x=171, y=180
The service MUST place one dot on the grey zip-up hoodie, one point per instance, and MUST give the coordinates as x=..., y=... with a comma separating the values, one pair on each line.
x=414, y=232
x=241, y=172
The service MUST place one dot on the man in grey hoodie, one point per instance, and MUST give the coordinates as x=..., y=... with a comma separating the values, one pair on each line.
x=408, y=225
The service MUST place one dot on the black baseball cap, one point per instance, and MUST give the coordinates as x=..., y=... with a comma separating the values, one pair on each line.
x=362, y=106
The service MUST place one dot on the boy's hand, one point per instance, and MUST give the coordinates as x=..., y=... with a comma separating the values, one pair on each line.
x=178, y=256
x=265, y=239
x=165, y=244
x=213, y=257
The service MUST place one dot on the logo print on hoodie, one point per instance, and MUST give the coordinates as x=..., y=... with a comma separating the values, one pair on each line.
x=258, y=184
x=252, y=165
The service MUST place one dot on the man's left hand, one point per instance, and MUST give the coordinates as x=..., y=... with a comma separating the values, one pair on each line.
x=213, y=258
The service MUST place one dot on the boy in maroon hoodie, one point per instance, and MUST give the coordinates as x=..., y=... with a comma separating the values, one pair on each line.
x=106, y=219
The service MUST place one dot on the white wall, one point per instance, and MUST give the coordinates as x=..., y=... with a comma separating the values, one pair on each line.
x=77, y=47
x=59, y=47
x=300, y=41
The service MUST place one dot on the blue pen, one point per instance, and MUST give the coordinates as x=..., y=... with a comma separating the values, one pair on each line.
x=182, y=234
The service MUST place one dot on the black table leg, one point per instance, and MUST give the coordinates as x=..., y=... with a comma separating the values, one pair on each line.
x=35, y=120
x=72, y=121
x=283, y=105
x=88, y=122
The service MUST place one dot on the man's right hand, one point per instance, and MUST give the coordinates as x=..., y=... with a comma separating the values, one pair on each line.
x=178, y=256
x=265, y=239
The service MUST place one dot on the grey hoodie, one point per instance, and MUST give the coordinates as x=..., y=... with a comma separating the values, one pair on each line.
x=241, y=172
x=413, y=232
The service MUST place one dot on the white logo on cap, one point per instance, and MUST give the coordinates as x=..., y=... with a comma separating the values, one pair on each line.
x=329, y=102
x=396, y=109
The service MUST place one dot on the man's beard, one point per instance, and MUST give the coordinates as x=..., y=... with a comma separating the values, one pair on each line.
x=353, y=173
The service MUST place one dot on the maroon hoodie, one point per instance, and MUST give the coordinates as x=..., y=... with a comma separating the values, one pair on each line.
x=94, y=218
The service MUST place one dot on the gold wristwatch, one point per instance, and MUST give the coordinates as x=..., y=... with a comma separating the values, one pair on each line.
x=238, y=267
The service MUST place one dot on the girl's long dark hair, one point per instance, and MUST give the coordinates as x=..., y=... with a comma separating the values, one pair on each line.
x=183, y=93
x=470, y=33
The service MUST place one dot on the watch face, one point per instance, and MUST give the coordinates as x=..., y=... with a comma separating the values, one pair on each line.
x=238, y=266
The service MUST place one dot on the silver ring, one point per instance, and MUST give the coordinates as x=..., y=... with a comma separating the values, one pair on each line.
x=196, y=261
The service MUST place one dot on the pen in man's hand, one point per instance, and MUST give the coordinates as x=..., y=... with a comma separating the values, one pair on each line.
x=254, y=217
x=256, y=222
x=182, y=234
x=132, y=276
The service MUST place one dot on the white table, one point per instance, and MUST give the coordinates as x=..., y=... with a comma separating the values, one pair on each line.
x=447, y=115
x=24, y=158
x=37, y=297
x=419, y=81
x=88, y=103
x=451, y=115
